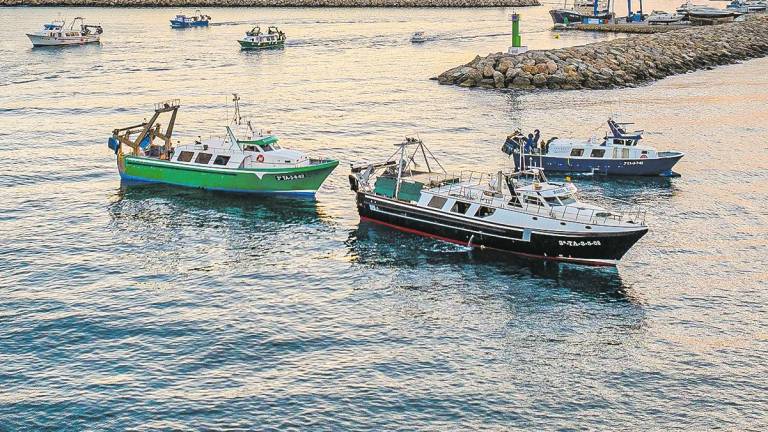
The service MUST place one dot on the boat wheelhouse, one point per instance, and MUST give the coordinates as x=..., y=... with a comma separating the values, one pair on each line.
x=56, y=33
x=519, y=212
x=255, y=39
x=196, y=20
x=619, y=153
x=243, y=161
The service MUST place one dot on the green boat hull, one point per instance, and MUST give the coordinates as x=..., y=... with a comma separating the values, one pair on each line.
x=300, y=180
x=258, y=46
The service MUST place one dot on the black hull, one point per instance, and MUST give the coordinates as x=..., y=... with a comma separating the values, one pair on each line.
x=587, y=248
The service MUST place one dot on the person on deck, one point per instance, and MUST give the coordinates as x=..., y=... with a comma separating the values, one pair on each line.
x=529, y=143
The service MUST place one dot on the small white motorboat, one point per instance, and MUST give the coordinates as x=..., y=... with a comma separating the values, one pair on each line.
x=55, y=33
x=420, y=36
x=661, y=17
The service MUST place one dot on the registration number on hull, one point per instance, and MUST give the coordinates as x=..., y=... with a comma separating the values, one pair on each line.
x=579, y=243
x=289, y=177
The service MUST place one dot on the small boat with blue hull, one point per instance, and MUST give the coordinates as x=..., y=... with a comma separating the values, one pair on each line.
x=196, y=20
x=243, y=161
x=619, y=153
x=521, y=212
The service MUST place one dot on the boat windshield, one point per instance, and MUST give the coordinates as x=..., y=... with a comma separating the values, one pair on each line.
x=567, y=199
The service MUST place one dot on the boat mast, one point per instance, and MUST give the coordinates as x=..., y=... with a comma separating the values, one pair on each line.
x=236, y=119
x=400, y=167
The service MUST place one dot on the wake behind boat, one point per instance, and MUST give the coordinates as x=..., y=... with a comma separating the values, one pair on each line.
x=521, y=213
x=243, y=161
x=55, y=33
x=619, y=153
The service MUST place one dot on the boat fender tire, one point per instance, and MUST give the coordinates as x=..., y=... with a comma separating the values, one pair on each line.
x=353, y=183
x=643, y=156
x=260, y=158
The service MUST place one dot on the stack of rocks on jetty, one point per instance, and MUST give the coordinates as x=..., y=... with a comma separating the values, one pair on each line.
x=278, y=3
x=619, y=62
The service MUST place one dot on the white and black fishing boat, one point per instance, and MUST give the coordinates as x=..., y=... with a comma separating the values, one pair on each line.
x=619, y=153
x=519, y=212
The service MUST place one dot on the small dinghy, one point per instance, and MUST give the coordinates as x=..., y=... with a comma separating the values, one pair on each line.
x=256, y=40
x=56, y=34
x=196, y=20
x=619, y=153
x=521, y=212
x=243, y=161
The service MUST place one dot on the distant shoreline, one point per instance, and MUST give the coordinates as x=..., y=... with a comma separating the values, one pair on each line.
x=277, y=3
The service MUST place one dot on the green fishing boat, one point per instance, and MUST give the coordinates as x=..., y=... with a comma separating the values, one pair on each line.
x=255, y=39
x=242, y=161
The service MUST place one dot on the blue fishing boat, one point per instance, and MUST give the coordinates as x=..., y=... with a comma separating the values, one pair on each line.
x=619, y=153
x=197, y=20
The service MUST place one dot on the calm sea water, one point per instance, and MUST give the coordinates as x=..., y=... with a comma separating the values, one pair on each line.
x=150, y=308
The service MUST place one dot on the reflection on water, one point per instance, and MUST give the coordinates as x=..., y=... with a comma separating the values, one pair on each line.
x=375, y=246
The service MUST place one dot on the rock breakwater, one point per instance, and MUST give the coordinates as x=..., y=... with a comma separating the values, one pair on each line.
x=619, y=62
x=275, y=3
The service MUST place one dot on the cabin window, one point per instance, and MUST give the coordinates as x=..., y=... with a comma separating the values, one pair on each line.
x=221, y=160
x=577, y=152
x=532, y=200
x=597, y=153
x=625, y=153
x=552, y=201
x=514, y=201
x=203, y=158
x=567, y=199
x=645, y=152
x=437, y=202
x=485, y=211
x=460, y=207
x=185, y=156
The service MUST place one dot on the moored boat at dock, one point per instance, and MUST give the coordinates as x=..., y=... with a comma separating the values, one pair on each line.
x=520, y=212
x=255, y=39
x=56, y=33
x=243, y=161
x=619, y=153
x=580, y=12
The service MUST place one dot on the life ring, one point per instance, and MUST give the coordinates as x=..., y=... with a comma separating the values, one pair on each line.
x=643, y=156
x=260, y=158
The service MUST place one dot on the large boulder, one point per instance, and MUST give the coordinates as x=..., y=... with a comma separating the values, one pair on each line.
x=512, y=73
x=488, y=71
x=504, y=64
x=498, y=79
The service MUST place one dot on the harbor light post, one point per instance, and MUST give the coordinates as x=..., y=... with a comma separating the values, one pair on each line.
x=517, y=47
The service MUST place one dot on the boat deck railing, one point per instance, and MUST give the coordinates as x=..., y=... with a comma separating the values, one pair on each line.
x=475, y=186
